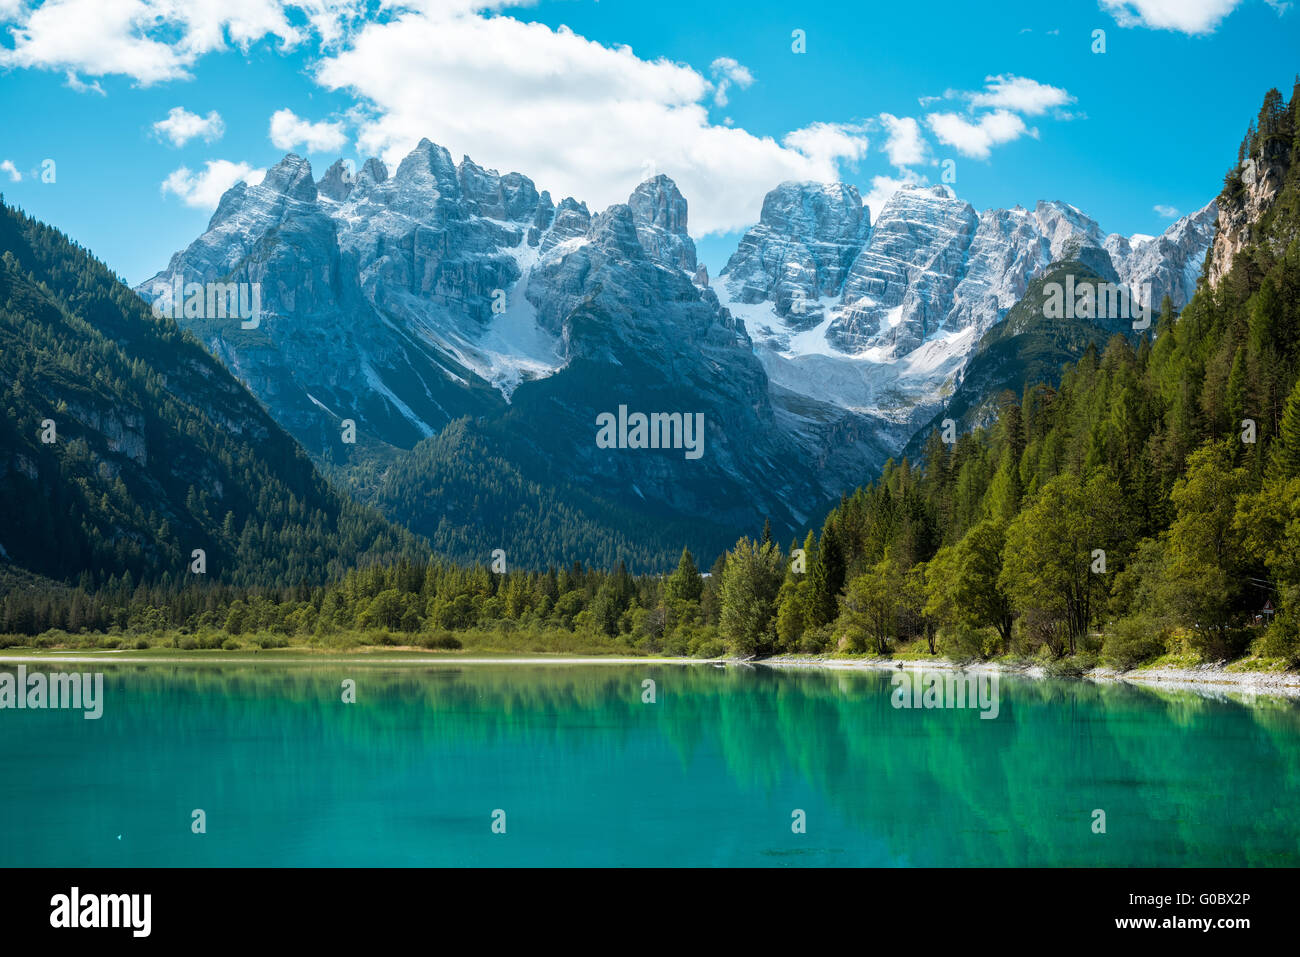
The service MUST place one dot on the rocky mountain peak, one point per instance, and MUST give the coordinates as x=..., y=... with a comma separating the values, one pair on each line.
x=426, y=177
x=373, y=171
x=337, y=182
x=291, y=177
x=512, y=197
x=807, y=237
x=659, y=213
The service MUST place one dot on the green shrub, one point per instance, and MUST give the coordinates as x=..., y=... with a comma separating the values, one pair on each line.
x=1131, y=641
x=1218, y=644
x=962, y=643
x=706, y=643
x=1280, y=640
x=1072, y=666
x=441, y=639
x=678, y=643
x=230, y=644
x=816, y=641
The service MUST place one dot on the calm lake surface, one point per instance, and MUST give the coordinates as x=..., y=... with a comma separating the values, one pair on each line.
x=587, y=773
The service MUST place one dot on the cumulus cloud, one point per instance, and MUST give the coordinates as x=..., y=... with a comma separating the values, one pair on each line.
x=180, y=126
x=579, y=117
x=1019, y=94
x=904, y=142
x=203, y=190
x=976, y=137
x=1168, y=212
x=148, y=41
x=1184, y=16
x=726, y=71
x=7, y=166
x=828, y=143
x=288, y=130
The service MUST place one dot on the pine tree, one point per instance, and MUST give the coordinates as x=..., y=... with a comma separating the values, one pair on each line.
x=827, y=580
x=686, y=583
x=1286, y=458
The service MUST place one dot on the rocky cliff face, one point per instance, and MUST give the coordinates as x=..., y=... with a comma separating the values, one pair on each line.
x=889, y=333
x=1245, y=199
x=800, y=250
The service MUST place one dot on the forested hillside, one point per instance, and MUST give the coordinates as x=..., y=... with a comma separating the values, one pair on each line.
x=1155, y=495
x=124, y=446
x=1026, y=347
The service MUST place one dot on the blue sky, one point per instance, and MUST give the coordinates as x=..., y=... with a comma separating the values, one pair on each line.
x=148, y=114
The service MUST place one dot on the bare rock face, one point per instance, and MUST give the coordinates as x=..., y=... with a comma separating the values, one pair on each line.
x=1240, y=207
x=1169, y=263
x=659, y=212
x=899, y=287
x=807, y=237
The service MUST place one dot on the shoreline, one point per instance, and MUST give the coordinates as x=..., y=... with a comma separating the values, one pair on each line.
x=1210, y=677
x=1204, y=678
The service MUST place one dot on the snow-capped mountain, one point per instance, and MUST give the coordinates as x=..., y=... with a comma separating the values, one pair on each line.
x=883, y=319
x=444, y=291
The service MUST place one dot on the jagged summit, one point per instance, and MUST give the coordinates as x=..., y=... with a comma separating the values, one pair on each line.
x=447, y=290
x=882, y=316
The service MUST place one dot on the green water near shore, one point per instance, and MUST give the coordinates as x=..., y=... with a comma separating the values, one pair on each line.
x=588, y=773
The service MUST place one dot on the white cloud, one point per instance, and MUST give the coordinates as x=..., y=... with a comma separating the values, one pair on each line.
x=180, y=126
x=1168, y=212
x=828, y=143
x=905, y=144
x=1019, y=94
x=7, y=166
x=203, y=190
x=288, y=130
x=883, y=187
x=77, y=85
x=581, y=118
x=1184, y=16
x=726, y=71
x=147, y=40
x=976, y=139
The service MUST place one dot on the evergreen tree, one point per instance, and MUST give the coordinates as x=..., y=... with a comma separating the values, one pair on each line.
x=827, y=579
x=686, y=583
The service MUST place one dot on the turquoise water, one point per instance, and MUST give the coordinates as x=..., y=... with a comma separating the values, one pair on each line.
x=587, y=773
